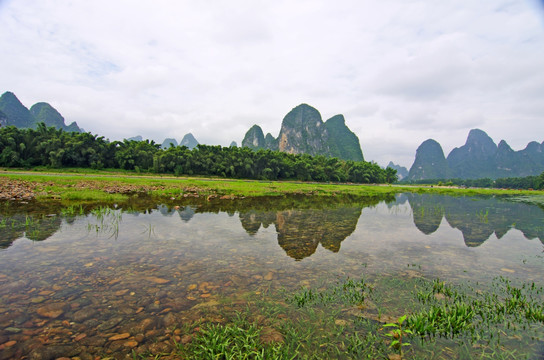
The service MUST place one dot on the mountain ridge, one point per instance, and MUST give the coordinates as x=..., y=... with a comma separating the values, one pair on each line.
x=304, y=132
x=13, y=112
x=478, y=158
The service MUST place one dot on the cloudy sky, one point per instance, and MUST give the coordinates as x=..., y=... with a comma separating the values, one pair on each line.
x=401, y=71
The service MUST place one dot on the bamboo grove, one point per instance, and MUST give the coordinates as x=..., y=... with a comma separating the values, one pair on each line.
x=50, y=147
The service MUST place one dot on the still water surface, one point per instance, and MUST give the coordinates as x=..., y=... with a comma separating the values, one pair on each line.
x=108, y=281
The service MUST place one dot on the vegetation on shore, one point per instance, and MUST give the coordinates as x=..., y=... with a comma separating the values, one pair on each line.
x=525, y=183
x=50, y=147
x=107, y=186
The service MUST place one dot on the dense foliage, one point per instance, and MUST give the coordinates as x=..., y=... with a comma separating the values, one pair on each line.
x=525, y=183
x=55, y=148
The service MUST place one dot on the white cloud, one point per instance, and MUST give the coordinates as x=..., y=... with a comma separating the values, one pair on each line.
x=400, y=71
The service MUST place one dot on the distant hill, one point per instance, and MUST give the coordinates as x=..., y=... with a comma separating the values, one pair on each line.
x=430, y=162
x=254, y=138
x=304, y=132
x=479, y=158
x=13, y=112
x=3, y=119
x=402, y=172
x=343, y=143
x=43, y=112
x=189, y=141
x=168, y=143
x=17, y=114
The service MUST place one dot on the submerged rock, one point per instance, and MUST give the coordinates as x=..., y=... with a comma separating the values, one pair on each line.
x=84, y=314
x=52, y=311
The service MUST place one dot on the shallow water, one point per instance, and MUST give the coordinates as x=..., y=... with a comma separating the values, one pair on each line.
x=107, y=281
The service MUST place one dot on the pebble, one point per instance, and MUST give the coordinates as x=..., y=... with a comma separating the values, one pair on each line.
x=203, y=286
x=185, y=339
x=269, y=276
x=110, y=323
x=159, y=347
x=191, y=287
x=144, y=325
x=80, y=337
x=12, y=330
x=157, y=280
x=54, y=352
x=93, y=341
x=9, y=343
x=131, y=344
x=119, y=337
x=169, y=320
x=37, y=300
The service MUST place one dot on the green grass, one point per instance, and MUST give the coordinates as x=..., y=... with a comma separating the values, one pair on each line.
x=64, y=186
x=239, y=339
x=88, y=195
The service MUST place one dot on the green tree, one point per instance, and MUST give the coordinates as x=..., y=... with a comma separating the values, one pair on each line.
x=390, y=175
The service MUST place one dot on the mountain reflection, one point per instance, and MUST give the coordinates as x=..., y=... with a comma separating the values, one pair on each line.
x=476, y=217
x=301, y=223
x=300, y=231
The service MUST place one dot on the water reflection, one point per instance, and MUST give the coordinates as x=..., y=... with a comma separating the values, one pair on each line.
x=36, y=227
x=476, y=217
x=302, y=224
x=301, y=231
x=178, y=263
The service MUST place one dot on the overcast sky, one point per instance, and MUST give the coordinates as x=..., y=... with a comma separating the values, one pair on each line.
x=400, y=71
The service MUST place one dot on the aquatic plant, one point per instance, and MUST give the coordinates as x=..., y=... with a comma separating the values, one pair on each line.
x=348, y=291
x=398, y=335
x=239, y=339
x=149, y=230
x=483, y=216
x=72, y=210
x=452, y=312
x=462, y=314
x=108, y=221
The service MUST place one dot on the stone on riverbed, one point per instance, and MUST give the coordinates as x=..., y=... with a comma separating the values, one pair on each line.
x=52, y=311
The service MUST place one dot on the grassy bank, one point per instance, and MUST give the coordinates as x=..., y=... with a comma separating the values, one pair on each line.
x=114, y=186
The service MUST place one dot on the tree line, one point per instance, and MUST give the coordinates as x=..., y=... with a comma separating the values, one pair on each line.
x=522, y=183
x=50, y=147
